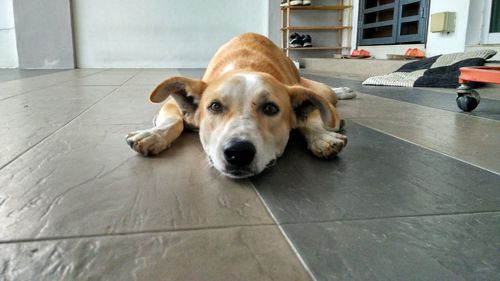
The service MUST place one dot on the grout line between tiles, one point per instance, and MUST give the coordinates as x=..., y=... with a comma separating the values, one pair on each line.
x=43, y=72
x=46, y=87
x=426, y=147
x=63, y=126
x=394, y=217
x=295, y=250
x=285, y=235
x=130, y=233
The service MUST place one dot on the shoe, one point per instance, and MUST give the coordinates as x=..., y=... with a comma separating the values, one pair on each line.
x=306, y=2
x=296, y=41
x=296, y=2
x=360, y=53
x=306, y=41
x=415, y=52
x=284, y=3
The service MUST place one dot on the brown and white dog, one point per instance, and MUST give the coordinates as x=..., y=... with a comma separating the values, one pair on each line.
x=249, y=99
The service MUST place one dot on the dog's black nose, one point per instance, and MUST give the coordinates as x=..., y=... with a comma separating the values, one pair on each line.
x=239, y=152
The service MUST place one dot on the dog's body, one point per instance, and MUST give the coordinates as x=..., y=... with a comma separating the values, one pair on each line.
x=249, y=99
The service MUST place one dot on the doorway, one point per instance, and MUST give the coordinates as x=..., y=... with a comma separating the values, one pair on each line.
x=491, y=30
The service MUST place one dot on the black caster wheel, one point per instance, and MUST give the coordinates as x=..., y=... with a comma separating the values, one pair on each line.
x=467, y=99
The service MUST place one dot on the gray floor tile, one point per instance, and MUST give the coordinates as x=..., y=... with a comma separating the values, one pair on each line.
x=151, y=77
x=18, y=87
x=16, y=74
x=109, y=77
x=27, y=119
x=85, y=180
x=97, y=210
x=375, y=176
x=488, y=108
x=468, y=138
x=488, y=91
x=456, y=247
x=127, y=105
x=240, y=253
x=195, y=73
x=81, y=205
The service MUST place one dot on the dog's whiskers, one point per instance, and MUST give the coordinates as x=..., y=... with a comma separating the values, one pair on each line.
x=209, y=162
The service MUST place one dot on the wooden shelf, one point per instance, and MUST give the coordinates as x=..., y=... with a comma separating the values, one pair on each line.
x=314, y=48
x=341, y=8
x=316, y=28
x=316, y=8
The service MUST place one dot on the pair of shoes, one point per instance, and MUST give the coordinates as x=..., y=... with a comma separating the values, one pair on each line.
x=415, y=53
x=284, y=3
x=360, y=53
x=299, y=41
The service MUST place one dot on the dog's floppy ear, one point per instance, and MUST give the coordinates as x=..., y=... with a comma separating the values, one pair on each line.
x=304, y=101
x=186, y=92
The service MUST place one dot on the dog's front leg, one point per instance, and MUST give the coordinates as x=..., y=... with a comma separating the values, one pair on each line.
x=168, y=127
x=322, y=142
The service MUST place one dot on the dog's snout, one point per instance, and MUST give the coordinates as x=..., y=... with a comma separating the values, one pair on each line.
x=239, y=152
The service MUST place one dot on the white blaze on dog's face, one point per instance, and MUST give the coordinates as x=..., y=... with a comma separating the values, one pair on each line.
x=245, y=122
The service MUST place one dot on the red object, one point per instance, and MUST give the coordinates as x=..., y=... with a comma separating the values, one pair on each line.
x=415, y=52
x=360, y=53
x=485, y=74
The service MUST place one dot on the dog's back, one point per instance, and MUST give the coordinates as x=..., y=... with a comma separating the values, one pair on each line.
x=251, y=52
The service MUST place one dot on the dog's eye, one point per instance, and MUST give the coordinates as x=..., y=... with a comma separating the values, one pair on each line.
x=216, y=107
x=270, y=109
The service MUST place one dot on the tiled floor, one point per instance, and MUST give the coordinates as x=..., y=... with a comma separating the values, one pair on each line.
x=415, y=195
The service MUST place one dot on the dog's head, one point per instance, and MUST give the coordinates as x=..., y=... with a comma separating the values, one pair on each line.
x=244, y=118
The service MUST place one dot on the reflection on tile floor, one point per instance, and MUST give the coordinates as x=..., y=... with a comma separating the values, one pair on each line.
x=77, y=204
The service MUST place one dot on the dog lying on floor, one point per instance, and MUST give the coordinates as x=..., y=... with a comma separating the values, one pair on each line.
x=248, y=101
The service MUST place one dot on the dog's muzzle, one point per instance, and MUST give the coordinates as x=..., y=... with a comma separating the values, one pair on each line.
x=239, y=153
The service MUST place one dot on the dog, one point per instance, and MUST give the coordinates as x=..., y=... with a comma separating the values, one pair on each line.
x=248, y=101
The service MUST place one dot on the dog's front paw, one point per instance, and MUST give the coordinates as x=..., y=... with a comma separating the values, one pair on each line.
x=327, y=144
x=147, y=142
x=344, y=93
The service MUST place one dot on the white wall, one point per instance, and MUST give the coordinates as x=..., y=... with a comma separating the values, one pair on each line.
x=274, y=31
x=160, y=33
x=355, y=19
x=8, y=49
x=445, y=43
